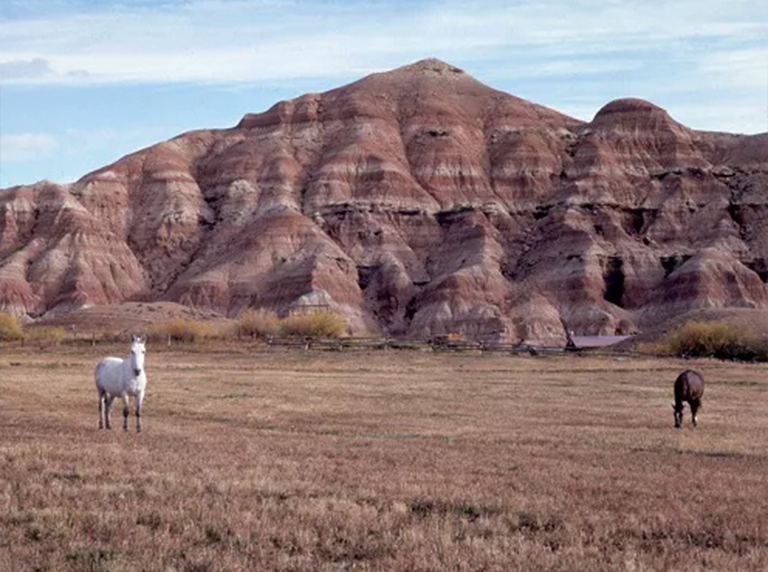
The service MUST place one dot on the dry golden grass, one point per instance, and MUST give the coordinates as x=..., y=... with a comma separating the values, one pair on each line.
x=256, y=324
x=10, y=329
x=289, y=460
x=180, y=330
x=46, y=335
x=321, y=324
x=720, y=340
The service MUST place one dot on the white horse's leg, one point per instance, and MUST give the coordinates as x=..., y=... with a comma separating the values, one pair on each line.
x=124, y=398
x=139, y=399
x=107, y=406
x=101, y=418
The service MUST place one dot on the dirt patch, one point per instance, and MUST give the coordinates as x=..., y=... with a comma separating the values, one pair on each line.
x=128, y=316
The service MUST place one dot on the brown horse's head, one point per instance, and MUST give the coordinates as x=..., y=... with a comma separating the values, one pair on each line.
x=678, y=415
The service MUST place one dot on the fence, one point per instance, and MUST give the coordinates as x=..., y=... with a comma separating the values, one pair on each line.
x=306, y=343
x=432, y=344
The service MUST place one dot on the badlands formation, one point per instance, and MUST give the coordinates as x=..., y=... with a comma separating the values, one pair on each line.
x=415, y=202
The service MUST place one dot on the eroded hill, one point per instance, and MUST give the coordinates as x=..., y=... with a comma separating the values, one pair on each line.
x=415, y=202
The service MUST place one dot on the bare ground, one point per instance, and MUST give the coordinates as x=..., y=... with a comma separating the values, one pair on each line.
x=389, y=460
x=130, y=316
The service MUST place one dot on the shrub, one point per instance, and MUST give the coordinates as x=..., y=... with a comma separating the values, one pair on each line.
x=721, y=341
x=257, y=324
x=316, y=325
x=47, y=335
x=109, y=336
x=179, y=330
x=10, y=328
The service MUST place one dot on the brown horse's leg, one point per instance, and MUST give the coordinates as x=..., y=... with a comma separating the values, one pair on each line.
x=694, y=410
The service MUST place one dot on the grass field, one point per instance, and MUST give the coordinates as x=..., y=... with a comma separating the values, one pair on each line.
x=391, y=460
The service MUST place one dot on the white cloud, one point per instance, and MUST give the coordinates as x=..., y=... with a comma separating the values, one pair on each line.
x=24, y=69
x=748, y=116
x=26, y=146
x=233, y=41
x=741, y=68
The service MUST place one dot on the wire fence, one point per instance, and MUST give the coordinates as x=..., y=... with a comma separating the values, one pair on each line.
x=595, y=345
x=347, y=344
x=436, y=345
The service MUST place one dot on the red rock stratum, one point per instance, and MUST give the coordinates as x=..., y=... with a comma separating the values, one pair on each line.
x=414, y=202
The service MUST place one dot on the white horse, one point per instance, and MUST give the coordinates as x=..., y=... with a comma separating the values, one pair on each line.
x=122, y=378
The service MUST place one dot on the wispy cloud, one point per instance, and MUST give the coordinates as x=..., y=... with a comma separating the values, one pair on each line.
x=742, y=68
x=246, y=41
x=26, y=146
x=34, y=68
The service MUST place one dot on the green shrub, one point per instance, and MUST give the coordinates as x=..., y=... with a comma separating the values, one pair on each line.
x=721, y=341
x=257, y=324
x=316, y=325
x=10, y=328
x=179, y=330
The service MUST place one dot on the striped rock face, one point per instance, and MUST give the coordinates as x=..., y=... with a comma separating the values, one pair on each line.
x=414, y=202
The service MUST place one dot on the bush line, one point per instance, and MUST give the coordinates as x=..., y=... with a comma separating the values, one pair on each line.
x=693, y=339
x=252, y=324
x=718, y=340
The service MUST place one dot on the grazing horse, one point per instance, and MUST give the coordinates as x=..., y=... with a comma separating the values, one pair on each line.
x=689, y=386
x=122, y=378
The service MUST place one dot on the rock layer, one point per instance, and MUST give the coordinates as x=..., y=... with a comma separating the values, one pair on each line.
x=415, y=202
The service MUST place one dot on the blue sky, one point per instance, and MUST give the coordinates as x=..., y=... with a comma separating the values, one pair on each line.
x=83, y=83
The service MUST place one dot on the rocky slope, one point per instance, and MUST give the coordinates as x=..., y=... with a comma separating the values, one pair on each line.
x=415, y=202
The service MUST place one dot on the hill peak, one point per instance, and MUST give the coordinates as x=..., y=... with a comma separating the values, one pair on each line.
x=430, y=65
x=631, y=109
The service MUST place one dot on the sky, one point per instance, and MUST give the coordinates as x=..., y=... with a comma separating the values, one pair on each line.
x=85, y=82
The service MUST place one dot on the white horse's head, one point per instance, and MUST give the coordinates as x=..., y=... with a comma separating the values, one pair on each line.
x=137, y=354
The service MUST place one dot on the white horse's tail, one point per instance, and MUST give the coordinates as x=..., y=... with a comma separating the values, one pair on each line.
x=97, y=376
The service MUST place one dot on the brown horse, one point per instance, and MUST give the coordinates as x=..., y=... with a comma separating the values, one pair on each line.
x=689, y=386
